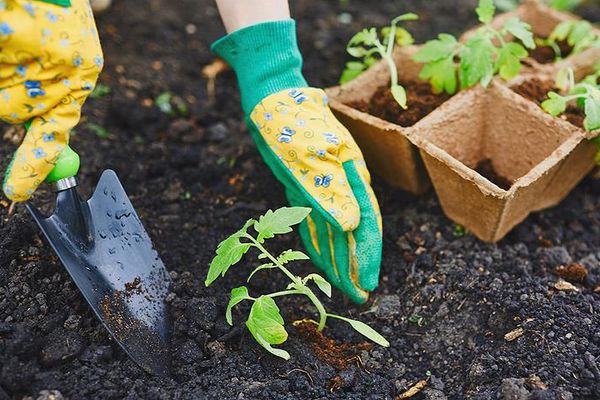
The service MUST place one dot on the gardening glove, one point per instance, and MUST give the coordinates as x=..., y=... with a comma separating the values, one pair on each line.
x=50, y=59
x=310, y=153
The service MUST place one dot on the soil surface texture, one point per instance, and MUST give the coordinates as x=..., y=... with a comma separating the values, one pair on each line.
x=445, y=300
x=537, y=90
x=420, y=100
x=547, y=55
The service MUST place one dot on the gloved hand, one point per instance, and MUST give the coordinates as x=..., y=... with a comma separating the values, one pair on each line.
x=50, y=59
x=310, y=153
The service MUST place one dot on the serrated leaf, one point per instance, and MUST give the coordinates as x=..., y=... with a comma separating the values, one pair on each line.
x=592, y=113
x=280, y=221
x=486, y=11
x=357, y=51
x=441, y=74
x=399, y=94
x=365, y=330
x=291, y=255
x=507, y=64
x=266, y=325
x=437, y=49
x=320, y=282
x=555, y=105
x=238, y=295
x=368, y=37
x=229, y=252
x=476, y=62
x=521, y=31
x=260, y=268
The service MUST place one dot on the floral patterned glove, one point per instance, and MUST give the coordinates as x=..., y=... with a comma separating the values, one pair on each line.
x=50, y=59
x=311, y=153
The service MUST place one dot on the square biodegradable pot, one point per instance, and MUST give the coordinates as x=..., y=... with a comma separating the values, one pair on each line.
x=386, y=146
x=543, y=157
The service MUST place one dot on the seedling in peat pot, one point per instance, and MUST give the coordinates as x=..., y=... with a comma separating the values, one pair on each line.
x=482, y=56
x=265, y=322
x=585, y=94
x=579, y=35
x=366, y=44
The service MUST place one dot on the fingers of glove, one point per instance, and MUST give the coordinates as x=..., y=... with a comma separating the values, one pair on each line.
x=46, y=138
x=366, y=240
x=44, y=44
x=298, y=128
x=330, y=249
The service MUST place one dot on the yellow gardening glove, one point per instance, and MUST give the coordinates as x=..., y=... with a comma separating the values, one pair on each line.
x=50, y=59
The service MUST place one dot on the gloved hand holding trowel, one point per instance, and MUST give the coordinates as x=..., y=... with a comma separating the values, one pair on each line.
x=50, y=61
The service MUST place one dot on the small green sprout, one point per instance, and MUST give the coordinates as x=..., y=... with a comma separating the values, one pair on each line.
x=171, y=105
x=459, y=231
x=100, y=90
x=585, y=94
x=482, y=56
x=98, y=130
x=580, y=35
x=366, y=44
x=265, y=322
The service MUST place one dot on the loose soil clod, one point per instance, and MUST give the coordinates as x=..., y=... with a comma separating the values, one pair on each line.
x=572, y=272
x=341, y=356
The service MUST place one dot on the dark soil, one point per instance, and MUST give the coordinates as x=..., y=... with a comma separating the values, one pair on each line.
x=537, y=90
x=421, y=102
x=444, y=302
x=486, y=168
x=546, y=54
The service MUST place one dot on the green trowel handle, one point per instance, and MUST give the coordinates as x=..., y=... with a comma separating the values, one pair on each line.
x=66, y=167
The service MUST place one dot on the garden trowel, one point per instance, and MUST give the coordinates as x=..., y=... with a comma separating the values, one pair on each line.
x=106, y=250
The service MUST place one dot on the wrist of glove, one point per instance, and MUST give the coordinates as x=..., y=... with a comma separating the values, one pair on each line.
x=51, y=59
x=310, y=153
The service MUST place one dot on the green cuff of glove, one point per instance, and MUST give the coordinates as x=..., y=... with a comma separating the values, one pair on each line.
x=266, y=59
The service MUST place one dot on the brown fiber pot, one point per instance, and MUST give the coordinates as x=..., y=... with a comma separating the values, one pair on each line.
x=544, y=157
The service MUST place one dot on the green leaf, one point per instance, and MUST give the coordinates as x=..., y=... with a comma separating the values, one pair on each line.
x=291, y=255
x=368, y=37
x=265, y=323
x=406, y=17
x=399, y=94
x=565, y=5
x=561, y=31
x=521, y=31
x=506, y=5
x=163, y=102
x=476, y=62
x=238, y=295
x=434, y=50
x=507, y=64
x=353, y=70
x=555, y=105
x=592, y=113
x=260, y=268
x=279, y=221
x=100, y=90
x=580, y=30
x=364, y=330
x=486, y=11
x=98, y=130
x=320, y=282
x=403, y=37
x=229, y=252
x=441, y=74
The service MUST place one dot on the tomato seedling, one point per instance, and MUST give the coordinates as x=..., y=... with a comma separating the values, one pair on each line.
x=580, y=35
x=265, y=322
x=449, y=62
x=585, y=94
x=367, y=44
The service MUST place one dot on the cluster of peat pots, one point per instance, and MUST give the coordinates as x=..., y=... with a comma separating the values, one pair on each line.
x=492, y=154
